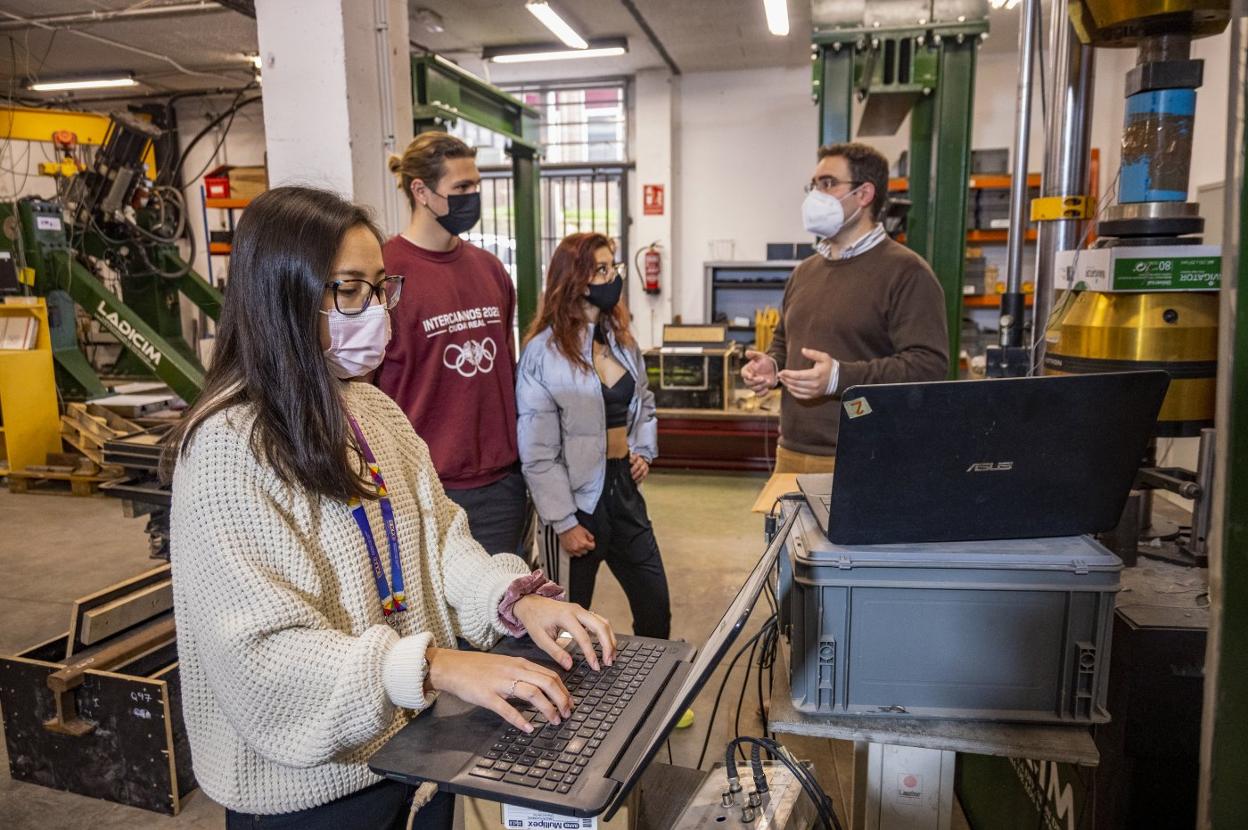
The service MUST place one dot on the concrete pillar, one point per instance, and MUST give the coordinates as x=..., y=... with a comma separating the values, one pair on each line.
x=656, y=93
x=337, y=96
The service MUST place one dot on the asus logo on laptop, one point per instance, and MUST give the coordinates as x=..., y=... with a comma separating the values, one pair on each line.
x=990, y=467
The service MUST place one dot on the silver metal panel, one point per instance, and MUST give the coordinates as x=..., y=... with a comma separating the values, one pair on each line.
x=883, y=112
x=909, y=788
x=944, y=11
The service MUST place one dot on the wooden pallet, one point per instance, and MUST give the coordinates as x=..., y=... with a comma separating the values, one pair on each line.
x=46, y=483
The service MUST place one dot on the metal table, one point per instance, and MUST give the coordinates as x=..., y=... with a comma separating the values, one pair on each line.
x=904, y=766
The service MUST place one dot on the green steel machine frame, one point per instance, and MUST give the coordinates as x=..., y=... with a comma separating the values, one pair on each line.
x=442, y=94
x=918, y=59
x=144, y=317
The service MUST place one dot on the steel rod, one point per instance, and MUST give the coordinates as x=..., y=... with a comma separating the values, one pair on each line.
x=1066, y=164
x=1011, y=312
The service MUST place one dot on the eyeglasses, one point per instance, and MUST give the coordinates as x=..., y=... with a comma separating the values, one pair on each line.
x=826, y=184
x=352, y=297
x=614, y=269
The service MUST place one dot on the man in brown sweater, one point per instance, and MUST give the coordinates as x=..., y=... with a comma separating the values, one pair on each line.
x=863, y=309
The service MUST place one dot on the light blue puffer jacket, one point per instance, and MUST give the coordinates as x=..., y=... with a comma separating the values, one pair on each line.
x=563, y=426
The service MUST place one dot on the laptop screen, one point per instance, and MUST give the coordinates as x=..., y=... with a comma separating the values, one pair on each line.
x=709, y=656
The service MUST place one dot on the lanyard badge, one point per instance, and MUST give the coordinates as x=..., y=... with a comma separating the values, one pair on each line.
x=393, y=599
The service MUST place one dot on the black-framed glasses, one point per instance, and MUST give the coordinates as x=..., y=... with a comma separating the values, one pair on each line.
x=826, y=184
x=352, y=297
x=617, y=269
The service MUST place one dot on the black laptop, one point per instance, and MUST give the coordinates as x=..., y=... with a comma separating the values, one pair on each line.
x=991, y=459
x=587, y=765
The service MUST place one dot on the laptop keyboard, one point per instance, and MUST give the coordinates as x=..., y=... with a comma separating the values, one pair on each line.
x=552, y=757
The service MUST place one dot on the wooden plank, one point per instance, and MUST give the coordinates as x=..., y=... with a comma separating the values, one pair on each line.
x=107, y=657
x=124, y=612
x=1040, y=742
x=106, y=595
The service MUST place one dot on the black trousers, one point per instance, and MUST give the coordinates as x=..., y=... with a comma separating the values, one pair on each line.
x=383, y=806
x=499, y=514
x=624, y=539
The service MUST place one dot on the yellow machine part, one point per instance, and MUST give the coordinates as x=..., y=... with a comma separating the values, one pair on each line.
x=1122, y=22
x=1175, y=331
x=29, y=124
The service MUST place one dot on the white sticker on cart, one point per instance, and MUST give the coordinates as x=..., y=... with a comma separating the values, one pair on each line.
x=525, y=818
x=48, y=223
x=909, y=785
x=857, y=407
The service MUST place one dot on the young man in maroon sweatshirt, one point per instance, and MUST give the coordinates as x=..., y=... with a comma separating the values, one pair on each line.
x=451, y=361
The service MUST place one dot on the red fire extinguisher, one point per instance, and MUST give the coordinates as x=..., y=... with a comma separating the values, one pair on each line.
x=652, y=267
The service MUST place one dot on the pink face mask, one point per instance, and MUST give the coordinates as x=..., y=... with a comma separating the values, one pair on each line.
x=357, y=343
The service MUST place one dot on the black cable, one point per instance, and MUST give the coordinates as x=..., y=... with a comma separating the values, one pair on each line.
x=229, y=113
x=706, y=741
x=823, y=803
x=745, y=682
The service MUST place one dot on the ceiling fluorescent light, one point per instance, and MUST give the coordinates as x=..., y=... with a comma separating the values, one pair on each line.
x=82, y=83
x=550, y=18
x=777, y=16
x=560, y=55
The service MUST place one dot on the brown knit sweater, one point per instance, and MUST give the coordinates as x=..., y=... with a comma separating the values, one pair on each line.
x=881, y=314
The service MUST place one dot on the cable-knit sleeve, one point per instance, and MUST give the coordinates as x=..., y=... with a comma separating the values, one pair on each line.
x=472, y=582
x=296, y=690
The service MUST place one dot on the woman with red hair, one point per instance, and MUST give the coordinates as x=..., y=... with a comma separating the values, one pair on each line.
x=587, y=433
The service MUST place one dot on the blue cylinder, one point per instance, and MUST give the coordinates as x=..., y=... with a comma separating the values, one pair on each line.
x=1157, y=146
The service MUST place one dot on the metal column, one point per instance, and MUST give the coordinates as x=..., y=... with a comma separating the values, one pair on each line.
x=952, y=139
x=526, y=194
x=833, y=82
x=1066, y=163
x=1224, y=765
x=1012, y=303
x=920, y=175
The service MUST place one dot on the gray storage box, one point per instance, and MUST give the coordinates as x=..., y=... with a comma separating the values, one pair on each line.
x=1013, y=630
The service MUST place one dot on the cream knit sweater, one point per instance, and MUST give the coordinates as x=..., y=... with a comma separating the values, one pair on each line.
x=291, y=677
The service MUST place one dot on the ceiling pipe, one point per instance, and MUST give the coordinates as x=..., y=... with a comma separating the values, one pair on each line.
x=88, y=18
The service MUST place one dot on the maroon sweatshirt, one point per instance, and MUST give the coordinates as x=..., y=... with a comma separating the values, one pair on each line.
x=451, y=360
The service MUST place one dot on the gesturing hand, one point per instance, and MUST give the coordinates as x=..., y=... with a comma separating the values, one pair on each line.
x=488, y=680
x=805, y=384
x=759, y=373
x=545, y=618
x=577, y=541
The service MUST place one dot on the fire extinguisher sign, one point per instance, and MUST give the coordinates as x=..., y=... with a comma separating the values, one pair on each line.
x=652, y=199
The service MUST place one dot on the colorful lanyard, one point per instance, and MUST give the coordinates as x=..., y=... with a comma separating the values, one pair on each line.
x=391, y=601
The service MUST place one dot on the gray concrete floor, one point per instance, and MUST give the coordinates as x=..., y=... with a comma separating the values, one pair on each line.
x=56, y=548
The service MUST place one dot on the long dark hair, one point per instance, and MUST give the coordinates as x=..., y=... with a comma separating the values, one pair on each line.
x=268, y=347
x=571, y=268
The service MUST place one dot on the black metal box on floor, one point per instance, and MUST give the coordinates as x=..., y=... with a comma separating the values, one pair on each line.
x=98, y=711
x=1012, y=630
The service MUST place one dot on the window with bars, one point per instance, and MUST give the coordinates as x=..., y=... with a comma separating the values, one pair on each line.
x=584, y=169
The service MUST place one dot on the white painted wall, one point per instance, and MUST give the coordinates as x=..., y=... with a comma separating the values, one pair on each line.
x=746, y=146
x=656, y=96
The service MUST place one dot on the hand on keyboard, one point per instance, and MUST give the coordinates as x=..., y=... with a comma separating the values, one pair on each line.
x=544, y=618
x=488, y=680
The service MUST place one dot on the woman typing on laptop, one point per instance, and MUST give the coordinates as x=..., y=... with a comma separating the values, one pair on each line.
x=321, y=575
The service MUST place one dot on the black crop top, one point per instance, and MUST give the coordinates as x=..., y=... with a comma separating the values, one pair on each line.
x=616, y=399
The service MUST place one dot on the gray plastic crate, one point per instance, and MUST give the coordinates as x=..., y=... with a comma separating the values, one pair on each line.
x=1014, y=630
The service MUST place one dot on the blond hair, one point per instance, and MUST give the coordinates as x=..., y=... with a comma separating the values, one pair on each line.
x=425, y=159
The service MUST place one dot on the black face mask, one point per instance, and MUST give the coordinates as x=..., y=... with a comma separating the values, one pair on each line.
x=464, y=211
x=606, y=295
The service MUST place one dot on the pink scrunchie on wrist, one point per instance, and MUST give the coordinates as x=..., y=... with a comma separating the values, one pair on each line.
x=534, y=583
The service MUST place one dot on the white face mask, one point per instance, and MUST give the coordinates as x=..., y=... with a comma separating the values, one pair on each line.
x=824, y=215
x=357, y=343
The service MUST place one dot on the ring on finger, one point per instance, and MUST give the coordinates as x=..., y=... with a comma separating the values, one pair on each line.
x=512, y=691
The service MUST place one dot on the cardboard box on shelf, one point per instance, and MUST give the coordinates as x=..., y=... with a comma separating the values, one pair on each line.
x=234, y=182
